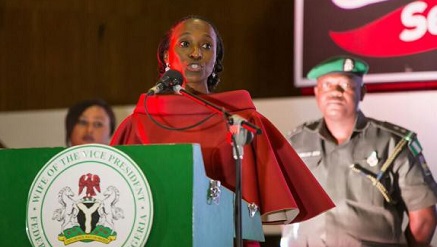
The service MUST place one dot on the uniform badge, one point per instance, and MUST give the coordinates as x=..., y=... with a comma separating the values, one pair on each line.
x=372, y=160
x=309, y=154
x=348, y=64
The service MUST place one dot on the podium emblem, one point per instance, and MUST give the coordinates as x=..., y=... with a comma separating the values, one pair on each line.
x=88, y=218
x=89, y=193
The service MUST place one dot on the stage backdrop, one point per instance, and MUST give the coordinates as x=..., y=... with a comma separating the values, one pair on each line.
x=397, y=38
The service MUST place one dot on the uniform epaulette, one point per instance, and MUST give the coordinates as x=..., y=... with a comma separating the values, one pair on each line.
x=395, y=129
x=295, y=130
x=311, y=125
x=409, y=136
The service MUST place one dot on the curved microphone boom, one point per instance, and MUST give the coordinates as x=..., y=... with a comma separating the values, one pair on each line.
x=170, y=79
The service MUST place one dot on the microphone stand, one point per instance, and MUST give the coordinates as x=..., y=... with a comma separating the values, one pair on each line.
x=239, y=128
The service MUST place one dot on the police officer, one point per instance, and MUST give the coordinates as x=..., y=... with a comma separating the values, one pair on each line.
x=374, y=171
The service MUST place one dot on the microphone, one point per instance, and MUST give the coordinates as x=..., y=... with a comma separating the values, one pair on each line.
x=168, y=80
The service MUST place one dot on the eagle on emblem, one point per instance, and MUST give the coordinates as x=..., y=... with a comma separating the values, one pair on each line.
x=90, y=182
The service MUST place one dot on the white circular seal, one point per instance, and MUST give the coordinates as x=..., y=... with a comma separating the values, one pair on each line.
x=89, y=193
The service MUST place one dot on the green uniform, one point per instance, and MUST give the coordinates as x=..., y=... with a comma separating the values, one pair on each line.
x=364, y=215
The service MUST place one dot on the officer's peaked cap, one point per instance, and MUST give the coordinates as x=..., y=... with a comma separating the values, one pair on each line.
x=339, y=64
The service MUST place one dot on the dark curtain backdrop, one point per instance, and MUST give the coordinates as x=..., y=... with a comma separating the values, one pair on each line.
x=54, y=53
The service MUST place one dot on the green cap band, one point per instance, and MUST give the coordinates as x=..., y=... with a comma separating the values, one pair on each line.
x=341, y=64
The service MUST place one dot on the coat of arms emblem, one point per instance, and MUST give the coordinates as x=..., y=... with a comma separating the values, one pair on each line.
x=89, y=195
x=90, y=217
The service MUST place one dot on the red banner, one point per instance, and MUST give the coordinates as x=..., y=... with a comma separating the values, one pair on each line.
x=397, y=38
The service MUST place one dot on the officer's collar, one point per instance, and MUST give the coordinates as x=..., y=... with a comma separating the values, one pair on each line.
x=320, y=126
x=361, y=122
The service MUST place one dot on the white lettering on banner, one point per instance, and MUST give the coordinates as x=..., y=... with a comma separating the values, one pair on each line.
x=354, y=4
x=417, y=24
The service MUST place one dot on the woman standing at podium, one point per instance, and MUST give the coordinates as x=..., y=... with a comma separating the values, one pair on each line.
x=273, y=175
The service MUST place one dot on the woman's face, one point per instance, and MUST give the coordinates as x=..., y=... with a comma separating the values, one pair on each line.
x=93, y=126
x=192, y=51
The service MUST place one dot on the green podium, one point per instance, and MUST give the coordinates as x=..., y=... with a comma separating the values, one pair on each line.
x=184, y=214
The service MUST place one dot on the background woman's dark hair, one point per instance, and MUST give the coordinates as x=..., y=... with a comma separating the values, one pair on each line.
x=163, y=46
x=76, y=110
x=2, y=145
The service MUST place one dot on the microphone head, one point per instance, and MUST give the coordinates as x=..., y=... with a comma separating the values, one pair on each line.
x=173, y=78
x=167, y=82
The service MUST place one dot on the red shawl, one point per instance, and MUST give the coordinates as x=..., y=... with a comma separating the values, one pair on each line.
x=273, y=175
